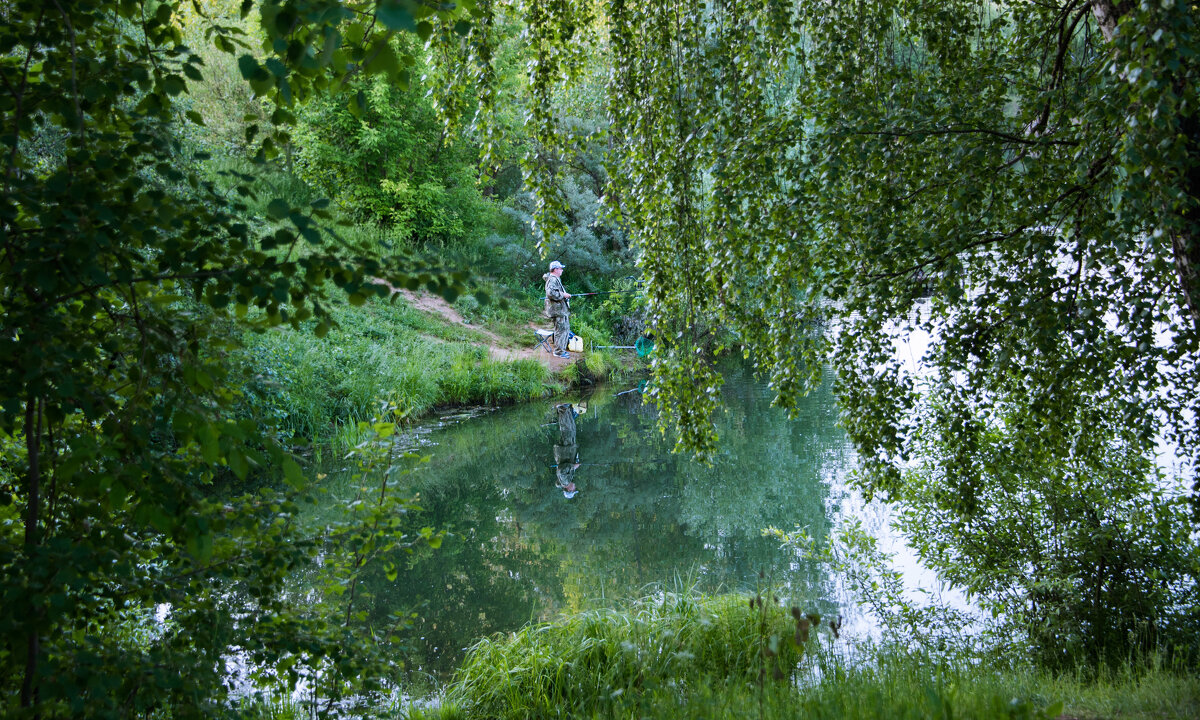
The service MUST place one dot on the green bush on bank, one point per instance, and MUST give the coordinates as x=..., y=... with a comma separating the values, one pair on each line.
x=603, y=660
x=685, y=656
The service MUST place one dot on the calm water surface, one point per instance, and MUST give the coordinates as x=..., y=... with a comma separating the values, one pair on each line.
x=642, y=520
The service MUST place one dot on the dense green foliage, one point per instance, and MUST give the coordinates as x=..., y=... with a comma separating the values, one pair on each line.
x=1029, y=171
x=687, y=656
x=1020, y=181
x=1016, y=180
x=127, y=277
x=1089, y=559
x=390, y=162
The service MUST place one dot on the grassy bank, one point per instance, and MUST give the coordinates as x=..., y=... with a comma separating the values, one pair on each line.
x=612, y=660
x=390, y=351
x=382, y=351
x=312, y=385
x=690, y=657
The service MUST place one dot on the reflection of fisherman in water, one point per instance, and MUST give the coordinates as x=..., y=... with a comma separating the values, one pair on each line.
x=566, y=452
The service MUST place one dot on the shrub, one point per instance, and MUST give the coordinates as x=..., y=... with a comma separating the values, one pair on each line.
x=1091, y=556
x=593, y=661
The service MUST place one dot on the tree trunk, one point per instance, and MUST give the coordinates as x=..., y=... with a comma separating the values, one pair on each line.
x=1109, y=13
x=1186, y=247
x=1185, y=242
x=33, y=437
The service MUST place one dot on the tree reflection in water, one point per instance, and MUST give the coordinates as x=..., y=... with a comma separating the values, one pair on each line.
x=643, y=518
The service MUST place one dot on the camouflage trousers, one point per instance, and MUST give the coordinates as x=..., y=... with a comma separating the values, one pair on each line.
x=562, y=331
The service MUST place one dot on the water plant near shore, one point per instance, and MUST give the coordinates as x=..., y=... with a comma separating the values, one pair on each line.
x=610, y=660
x=683, y=655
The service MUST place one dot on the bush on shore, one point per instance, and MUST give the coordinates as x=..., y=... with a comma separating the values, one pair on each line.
x=603, y=660
x=730, y=656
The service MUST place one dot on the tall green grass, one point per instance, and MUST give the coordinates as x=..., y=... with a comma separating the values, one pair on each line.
x=686, y=656
x=607, y=661
x=310, y=386
x=1139, y=687
x=888, y=683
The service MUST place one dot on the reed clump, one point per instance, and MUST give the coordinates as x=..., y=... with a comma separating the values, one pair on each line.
x=600, y=661
x=581, y=668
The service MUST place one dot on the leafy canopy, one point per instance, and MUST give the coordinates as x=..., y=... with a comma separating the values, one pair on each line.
x=1018, y=180
x=817, y=182
x=125, y=276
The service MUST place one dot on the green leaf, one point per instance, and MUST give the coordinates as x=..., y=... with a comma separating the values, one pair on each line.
x=277, y=68
x=210, y=447
x=200, y=546
x=174, y=85
x=250, y=68
x=278, y=209
x=382, y=58
x=396, y=15
x=357, y=104
x=292, y=473
x=236, y=461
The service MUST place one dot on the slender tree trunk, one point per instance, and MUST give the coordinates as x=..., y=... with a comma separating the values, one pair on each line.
x=1186, y=245
x=1185, y=242
x=1108, y=13
x=33, y=438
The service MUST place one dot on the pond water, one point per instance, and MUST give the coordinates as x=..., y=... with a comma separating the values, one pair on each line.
x=641, y=520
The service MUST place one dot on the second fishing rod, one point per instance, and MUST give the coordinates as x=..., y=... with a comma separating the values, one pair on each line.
x=605, y=292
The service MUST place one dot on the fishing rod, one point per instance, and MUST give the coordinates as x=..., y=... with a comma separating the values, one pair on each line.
x=605, y=292
x=619, y=462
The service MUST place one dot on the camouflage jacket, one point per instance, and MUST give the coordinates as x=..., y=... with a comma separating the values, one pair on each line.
x=557, y=304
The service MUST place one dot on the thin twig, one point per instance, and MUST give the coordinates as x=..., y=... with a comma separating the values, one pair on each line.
x=19, y=97
x=74, y=76
x=148, y=278
x=958, y=131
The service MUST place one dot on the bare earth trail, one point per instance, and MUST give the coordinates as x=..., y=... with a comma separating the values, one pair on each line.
x=498, y=348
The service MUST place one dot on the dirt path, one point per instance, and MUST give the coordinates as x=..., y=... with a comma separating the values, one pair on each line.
x=498, y=348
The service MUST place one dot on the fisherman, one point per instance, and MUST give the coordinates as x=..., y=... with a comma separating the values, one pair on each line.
x=566, y=452
x=558, y=308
